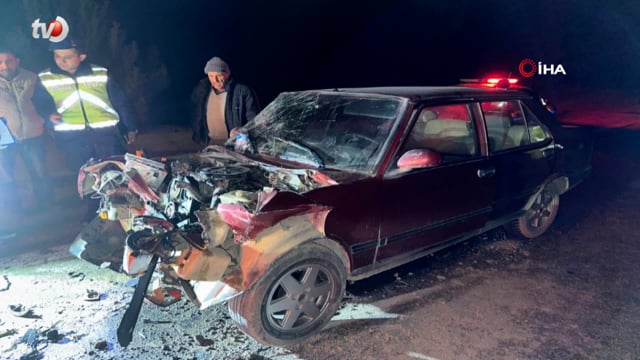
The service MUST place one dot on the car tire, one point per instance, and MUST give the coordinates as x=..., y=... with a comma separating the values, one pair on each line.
x=275, y=315
x=538, y=218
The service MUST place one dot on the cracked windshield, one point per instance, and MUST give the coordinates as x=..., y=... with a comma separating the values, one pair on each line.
x=326, y=129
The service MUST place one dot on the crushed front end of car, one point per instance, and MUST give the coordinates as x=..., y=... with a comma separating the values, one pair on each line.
x=213, y=225
x=202, y=215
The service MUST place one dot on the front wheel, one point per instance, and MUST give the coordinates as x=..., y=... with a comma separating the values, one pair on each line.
x=539, y=217
x=295, y=298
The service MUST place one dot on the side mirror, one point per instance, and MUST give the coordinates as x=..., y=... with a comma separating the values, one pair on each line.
x=418, y=159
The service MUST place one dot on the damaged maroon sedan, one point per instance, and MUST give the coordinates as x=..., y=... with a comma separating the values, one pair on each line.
x=324, y=187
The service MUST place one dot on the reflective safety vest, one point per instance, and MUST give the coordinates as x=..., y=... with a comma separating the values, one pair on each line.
x=82, y=101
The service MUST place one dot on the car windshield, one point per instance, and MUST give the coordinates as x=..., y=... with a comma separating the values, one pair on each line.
x=326, y=129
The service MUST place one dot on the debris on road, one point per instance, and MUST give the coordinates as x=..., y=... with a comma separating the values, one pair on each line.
x=5, y=284
x=20, y=310
x=92, y=295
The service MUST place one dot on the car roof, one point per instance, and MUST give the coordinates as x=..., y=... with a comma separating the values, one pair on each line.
x=418, y=93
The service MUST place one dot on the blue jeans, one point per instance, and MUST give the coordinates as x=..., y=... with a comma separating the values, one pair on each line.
x=33, y=153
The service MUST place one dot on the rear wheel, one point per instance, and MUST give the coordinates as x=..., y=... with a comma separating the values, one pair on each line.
x=539, y=217
x=295, y=298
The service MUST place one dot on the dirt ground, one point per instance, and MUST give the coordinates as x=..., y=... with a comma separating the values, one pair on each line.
x=571, y=294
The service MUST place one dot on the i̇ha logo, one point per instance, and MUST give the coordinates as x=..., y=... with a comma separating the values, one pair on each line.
x=528, y=68
x=55, y=30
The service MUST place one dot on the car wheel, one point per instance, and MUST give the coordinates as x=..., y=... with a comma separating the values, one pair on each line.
x=539, y=217
x=295, y=298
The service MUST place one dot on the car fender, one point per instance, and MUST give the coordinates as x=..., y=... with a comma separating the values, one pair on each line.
x=256, y=255
x=557, y=183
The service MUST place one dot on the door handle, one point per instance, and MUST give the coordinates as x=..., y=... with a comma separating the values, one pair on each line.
x=483, y=173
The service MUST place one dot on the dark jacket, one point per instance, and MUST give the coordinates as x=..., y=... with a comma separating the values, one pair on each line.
x=116, y=96
x=241, y=106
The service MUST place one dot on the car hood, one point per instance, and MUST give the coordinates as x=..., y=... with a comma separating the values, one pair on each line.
x=204, y=198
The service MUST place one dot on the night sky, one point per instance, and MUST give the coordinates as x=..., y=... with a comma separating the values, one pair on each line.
x=285, y=45
x=282, y=45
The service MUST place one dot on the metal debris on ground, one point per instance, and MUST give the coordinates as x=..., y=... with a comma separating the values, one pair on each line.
x=92, y=295
x=204, y=341
x=77, y=275
x=131, y=282
x=102, y=345
x=52, y=335
x=5, y=284
x=31, y=339
x=20, y=310
x=8, y=332
x=149, y=321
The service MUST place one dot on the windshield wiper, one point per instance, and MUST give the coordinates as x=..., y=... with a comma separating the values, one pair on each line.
x=312, y=154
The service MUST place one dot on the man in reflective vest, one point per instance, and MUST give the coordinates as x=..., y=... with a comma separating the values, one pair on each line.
x=90, y=109
x=90, y=106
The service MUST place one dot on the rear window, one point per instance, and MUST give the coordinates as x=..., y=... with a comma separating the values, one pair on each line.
x=510, y=124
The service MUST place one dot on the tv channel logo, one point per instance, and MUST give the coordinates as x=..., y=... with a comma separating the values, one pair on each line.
x=55, y=30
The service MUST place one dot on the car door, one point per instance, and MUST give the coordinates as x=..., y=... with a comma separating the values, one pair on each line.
x=521, y=151
x=422, y=207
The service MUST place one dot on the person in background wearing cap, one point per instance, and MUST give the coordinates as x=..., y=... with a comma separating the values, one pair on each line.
x=90, y=108
x=220, y=105
x=24, y=103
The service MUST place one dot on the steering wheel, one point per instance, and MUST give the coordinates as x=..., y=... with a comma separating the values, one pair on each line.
x=359, y=139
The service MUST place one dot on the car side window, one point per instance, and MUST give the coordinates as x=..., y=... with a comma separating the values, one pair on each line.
x=446, y=129
x=538, y=132
x=510, y=124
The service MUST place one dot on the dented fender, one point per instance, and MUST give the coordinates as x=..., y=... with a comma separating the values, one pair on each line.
x=256, y=255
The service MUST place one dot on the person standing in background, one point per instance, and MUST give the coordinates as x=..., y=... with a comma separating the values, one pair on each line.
x=90, y=107
x=220, y=105
x=24, y=104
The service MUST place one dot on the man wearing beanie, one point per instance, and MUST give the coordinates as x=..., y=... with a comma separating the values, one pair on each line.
x=220, y=105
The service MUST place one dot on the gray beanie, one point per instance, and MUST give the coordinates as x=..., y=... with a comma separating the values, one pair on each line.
x=216, y=64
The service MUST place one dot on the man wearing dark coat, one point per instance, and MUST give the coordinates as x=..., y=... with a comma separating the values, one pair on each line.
x=220, y=105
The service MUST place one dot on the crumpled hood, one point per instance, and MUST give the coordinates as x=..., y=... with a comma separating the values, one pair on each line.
x=211, y=203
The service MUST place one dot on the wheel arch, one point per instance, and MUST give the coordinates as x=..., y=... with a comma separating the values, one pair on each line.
x=557, y=183
x=273, y=243
x=252, y=309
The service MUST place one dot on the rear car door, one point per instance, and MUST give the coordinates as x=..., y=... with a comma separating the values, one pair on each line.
x=521, y=150
x=426, y=206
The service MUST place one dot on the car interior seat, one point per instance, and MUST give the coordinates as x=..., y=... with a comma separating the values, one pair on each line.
x=517, y=136
x=498, y=125
x=450, y=136
x=417, y=137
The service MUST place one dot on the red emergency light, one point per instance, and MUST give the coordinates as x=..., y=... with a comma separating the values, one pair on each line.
x=496, y=80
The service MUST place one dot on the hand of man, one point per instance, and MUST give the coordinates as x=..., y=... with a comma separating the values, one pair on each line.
x=131, y=137
x=55, y=118
x=233, y=133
